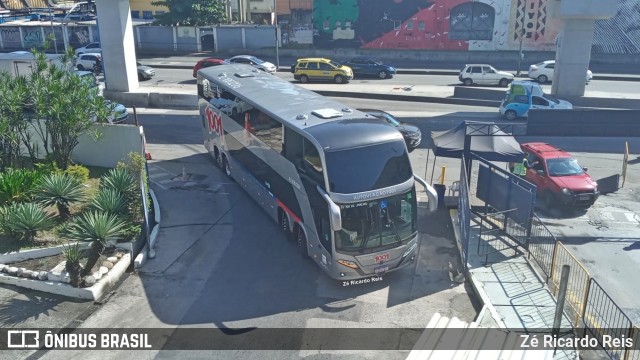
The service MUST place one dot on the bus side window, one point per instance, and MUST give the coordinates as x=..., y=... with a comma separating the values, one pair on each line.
x=268, y=130
x=313, y=162
x=293, y=146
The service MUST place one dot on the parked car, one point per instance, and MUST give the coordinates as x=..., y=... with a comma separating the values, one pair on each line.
x=253, y=61
x=559, y=178
x=525, y=95
x=321, y=69
x=412, y=134
x=543, y=72
x=205, y=63
x=93, y=47
x=88, y=75
x=483, y=74
x=145, y=72
x=88, y=61
x=119, y=112
x=368, y=67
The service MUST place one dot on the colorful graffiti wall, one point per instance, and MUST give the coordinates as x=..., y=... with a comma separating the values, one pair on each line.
x=436, y=24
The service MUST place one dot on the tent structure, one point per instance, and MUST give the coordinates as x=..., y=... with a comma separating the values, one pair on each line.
x=499, y=146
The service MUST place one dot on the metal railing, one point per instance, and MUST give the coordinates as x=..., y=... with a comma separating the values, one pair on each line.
x=602, y=316
x=541, y=245
x=634, y=354
x=464, y=213
x=578, y=286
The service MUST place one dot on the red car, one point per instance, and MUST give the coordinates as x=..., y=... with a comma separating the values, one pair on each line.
x=559, y=178
x=205, y=63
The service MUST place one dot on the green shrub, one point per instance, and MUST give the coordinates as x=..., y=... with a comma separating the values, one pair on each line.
x=17, y=185
x=109, y=201
x=73, y=254
x=27, y=219
x=60, y=190
x=79, y=172
x=48, y=167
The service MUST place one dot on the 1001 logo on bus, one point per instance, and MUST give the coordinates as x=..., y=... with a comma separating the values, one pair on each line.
x=214, y=122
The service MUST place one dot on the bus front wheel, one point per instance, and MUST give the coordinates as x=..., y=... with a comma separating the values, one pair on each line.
x=217, y=157
x=225, y=165
x=302, y=242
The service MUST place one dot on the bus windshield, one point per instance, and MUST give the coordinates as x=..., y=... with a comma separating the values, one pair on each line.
x=371, y=226
x=368, y=168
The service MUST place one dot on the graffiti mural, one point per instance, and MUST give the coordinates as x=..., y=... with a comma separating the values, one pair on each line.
x=435, y=24
x=11, y=37
x=32, y=37
x=78, y=36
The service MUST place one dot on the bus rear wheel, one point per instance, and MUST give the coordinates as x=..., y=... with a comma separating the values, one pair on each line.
x=302, y=242
x=218, y=157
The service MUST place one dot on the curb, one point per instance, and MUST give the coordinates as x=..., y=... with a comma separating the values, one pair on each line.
x=480, y=293
x=410, y=72
x=94, y=292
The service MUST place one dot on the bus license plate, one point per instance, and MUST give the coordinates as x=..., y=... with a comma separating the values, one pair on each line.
x=380, y=269
x=383, y=257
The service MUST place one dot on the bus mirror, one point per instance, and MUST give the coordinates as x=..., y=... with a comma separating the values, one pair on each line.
x=334, y=210
x=431, y=193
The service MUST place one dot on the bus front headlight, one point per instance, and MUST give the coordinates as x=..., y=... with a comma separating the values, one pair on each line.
x=347, y=263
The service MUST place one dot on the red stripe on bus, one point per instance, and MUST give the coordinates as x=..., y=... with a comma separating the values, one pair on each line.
x=287, y=210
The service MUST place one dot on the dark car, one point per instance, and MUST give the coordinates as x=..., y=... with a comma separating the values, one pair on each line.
x=370, y=67
x=205, y=63
x=412, y=135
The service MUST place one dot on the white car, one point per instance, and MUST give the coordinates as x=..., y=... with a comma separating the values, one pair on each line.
x=543, y=72
x=253, y=61
x=93, y=47
x=483, y=74
x=87, y=61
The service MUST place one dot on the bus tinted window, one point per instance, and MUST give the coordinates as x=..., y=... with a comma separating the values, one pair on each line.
x=368, y=168
x=268, y=130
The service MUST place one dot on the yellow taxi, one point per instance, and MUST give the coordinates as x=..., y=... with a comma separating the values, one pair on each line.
x=321, y=69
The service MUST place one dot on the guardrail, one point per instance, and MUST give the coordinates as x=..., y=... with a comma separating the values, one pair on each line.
x=578, y=286
x=542, y=245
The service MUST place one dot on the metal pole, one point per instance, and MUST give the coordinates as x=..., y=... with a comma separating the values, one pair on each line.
x=275, y=20
x=562, y=293
x=53, y=31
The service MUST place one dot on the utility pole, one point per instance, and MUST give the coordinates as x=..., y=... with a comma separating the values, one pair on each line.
x=275, y=21
x=520, y=54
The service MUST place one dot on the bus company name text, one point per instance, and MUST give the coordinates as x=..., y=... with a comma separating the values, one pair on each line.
x=551, y=341
x=373, y=194
x=214, y=121
x=362, y=281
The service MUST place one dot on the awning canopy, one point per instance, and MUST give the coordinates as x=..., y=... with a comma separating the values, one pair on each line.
x=500, y=146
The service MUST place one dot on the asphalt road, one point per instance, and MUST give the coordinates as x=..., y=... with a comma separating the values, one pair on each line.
x=184, y=78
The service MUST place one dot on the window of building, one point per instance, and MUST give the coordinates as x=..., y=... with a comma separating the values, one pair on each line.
x=135, y=14
x=147, y=15
x=471, y=21
x=159, y=13
x=410, y=25
x=421, y=26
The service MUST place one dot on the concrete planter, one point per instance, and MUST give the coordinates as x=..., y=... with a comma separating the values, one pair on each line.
x=56, y=281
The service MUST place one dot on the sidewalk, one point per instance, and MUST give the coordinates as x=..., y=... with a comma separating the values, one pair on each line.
x=511, y=290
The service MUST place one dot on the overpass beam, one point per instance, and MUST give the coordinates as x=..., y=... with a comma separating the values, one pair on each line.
x=577, y=22
x=117, y=42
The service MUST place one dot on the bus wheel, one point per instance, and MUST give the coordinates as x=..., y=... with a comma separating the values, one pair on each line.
x=225, y=165
x=302, y=242
x=217, y=157
x=284, y=225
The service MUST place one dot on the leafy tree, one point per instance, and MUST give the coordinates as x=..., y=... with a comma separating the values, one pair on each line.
x=191, y=12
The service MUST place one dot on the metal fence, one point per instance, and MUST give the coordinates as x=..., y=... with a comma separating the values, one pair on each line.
x=602, y=316
x=542, y=244
x=464, y=213
x=634, y=354
x=578, y=285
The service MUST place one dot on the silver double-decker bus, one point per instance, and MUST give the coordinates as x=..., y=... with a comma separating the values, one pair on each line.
x=338, y=181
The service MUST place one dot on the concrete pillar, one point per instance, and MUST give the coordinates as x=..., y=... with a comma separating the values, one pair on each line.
x=116, y=40
x=577, y=21
x=21, y=37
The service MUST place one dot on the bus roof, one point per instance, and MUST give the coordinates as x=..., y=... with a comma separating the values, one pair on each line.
x=321, y=117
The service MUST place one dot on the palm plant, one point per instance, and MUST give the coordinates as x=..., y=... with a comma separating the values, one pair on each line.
x=61, y=190
x=119, y=179
x=27, y=219
x=109, y=201
x=73, y=254
x=95, y=227
x=16, y=185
